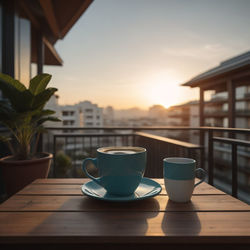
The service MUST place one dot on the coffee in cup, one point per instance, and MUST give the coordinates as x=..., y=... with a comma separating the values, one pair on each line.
x=120, y=168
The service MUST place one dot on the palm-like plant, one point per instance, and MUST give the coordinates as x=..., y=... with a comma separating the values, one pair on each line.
x=23, y=113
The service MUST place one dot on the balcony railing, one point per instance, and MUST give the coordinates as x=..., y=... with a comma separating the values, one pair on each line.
x=79, y=143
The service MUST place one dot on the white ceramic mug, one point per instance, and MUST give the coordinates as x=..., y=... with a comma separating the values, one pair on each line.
x=179, y=177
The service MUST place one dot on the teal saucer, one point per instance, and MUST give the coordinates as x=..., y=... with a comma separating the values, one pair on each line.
x=147, y=188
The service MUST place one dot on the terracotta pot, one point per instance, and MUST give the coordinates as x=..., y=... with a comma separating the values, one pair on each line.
x=17, y=173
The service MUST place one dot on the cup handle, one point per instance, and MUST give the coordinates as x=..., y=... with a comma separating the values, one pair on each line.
x=84, y=165
x=203, y=176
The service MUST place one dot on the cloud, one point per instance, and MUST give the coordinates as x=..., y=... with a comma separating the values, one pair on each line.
x=207, y=52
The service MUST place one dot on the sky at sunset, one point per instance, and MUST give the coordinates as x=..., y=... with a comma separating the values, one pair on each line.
x=137, y=52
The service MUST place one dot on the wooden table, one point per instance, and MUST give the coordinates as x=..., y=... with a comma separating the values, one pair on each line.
x=54, y=214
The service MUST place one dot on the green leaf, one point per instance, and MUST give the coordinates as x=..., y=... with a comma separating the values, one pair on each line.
x=49, y=118
x=46, y=112
x=19, y=100
x=41, y=113
x=10, y=92
x=41, y=99
x=15, y=83
x=39, y=83
x=7, y=114
x=25, y=100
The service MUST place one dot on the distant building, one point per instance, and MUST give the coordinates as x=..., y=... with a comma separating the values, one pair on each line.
x=108, y=116
x=83, y=114
x=130, y=113
x=92, y=114
x=157, y=111
x=71, y=116
x=186, y=115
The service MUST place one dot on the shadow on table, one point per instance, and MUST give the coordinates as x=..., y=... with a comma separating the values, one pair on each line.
x=100, y=218
x=182, y=222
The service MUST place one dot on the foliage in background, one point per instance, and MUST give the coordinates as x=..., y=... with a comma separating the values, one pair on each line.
x=63, y=163
x=23, y=113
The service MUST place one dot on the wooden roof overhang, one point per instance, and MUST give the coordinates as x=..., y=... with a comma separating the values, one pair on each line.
x=53, y=19
x=216, y=78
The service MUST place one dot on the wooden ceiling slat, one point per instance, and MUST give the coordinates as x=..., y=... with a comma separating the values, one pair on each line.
x=53, y=52
x=67, y=19
x=49, y=13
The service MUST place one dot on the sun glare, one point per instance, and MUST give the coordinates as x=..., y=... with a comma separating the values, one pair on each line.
x=163, y=88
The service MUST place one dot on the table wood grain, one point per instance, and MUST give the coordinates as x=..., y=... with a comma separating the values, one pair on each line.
x=73, y=187
x=54, y=214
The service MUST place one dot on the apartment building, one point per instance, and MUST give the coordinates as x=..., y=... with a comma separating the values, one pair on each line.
x=184, y=115
x=229, y=106
x=71, y=116
x=91, y=113
x=108, y=116
x=230, y=82
x=157, y=112
x=83, y=114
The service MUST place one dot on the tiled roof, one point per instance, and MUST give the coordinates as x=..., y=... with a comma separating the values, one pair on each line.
x=225, y=66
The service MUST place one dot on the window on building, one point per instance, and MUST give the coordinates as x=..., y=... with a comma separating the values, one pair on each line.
x=97, y=117
x=72, y=112
x=89, y=110
x=89, y=117
x=65, y=123
x=89, y=123
x=65, y=113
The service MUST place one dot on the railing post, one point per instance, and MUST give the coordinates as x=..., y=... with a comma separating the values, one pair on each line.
x=134, y=139
x=54, y=156
x=234, y=171
x=74, y=157
x=191, y=153
x=210, y=158
x=202, y=151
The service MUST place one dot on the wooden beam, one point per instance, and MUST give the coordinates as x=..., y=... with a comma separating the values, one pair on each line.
x=49, y=13
x=212, y=84
x=53, y=51
x=244, y=73
x=75, y=17
x=201, y=107
x=202, y=119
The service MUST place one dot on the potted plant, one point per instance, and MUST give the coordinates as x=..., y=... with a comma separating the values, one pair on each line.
x=22, y=113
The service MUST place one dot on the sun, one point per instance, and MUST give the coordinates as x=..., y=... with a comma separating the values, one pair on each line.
x=163, y=88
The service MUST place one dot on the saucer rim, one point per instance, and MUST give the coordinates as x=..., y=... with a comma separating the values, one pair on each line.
x=155, y=185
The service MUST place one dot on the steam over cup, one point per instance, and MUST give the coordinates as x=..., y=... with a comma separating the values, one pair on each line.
x=179, y=177
x=120, y=169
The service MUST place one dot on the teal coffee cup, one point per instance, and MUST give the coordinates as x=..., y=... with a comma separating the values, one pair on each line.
x=179, y=177
x=120, y=168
